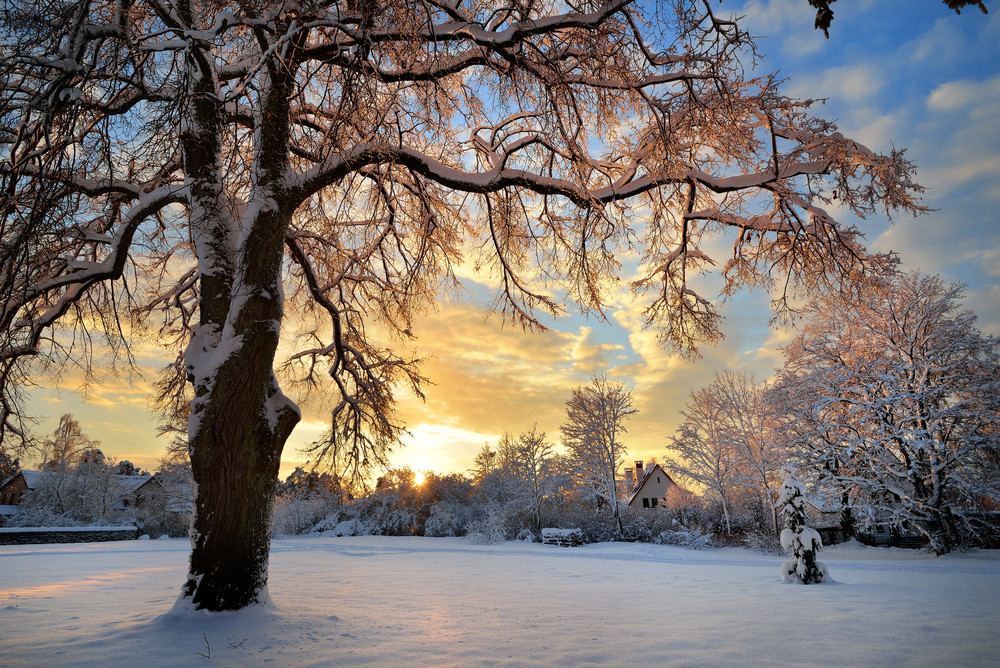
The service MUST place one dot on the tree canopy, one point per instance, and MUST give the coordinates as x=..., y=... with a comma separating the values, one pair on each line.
x=222, y=175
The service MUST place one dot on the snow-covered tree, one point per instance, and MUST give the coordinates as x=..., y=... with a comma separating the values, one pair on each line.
x=125, y=467
x=484, y=463
x=596, y=415
x=747, y=425
x=66, y=444
x=726, y=443
x=85, y=491
x=895, y=398
x=531, y=468
x=700, y=453
x=801, y=540
x=234, y=173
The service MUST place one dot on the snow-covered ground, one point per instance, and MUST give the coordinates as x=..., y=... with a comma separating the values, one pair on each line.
x=445, y=602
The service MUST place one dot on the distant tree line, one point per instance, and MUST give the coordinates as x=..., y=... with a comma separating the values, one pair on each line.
x=517, y=486
x=887, y=405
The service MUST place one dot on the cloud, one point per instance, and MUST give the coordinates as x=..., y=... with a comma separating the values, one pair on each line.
x=860, y=82
x=963, y=94
x=985, y=302
x=790, y=20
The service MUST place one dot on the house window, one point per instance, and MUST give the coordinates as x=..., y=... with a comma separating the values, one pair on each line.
x=657, y=478
x=653, y=502
x=645, y=503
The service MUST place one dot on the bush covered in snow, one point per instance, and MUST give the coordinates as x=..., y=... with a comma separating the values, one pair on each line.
x=491, y=526
x=760, y=540
x=305, y=499
x=693, y=539
x=448, y=518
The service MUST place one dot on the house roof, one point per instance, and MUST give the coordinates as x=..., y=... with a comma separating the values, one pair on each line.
x=646, y=477
x=33, y=478
x=130, y=483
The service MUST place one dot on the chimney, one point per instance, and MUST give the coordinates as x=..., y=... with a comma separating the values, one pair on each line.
x=629, y=478
x=638, y=471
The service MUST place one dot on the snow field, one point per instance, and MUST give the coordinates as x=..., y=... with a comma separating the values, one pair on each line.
x=382, y=601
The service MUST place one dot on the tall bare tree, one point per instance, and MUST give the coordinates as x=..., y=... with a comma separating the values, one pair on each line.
x=66, y=444
x=532, y=467
x=596, y=415
x=198, y=169
x=700, y=453
x=747, y=425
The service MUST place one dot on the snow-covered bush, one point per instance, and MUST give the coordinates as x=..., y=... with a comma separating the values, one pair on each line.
x=304, y=499
x=694, y=539
x=803, y=541
x=447, y=518
x=299, y=515
x=340, y=524
x=490, y=526
x=760, y=540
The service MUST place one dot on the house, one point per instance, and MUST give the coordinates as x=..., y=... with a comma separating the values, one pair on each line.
x=823, y=514
x=16, y=485
x=647, y=486
x=136, y=489
x=132, y=489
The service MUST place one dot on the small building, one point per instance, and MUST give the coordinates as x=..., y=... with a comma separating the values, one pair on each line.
x=823, y=514
x=647, y=486
x=136, y=489
x=14, y=487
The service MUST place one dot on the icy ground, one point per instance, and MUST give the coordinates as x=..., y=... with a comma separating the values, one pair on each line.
x=444, y=602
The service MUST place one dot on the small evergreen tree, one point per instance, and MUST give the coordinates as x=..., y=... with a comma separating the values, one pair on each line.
x=797, y=537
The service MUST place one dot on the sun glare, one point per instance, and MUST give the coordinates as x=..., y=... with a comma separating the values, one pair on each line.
x=419, y=477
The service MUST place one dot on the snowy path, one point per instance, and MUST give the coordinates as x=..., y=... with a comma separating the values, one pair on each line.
x=442, y=602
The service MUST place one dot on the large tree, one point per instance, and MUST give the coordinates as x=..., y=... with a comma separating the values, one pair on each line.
x=200, y=169
x=748, y=427
x=532, y=466
x=66, y=444
x=895, y=398
x=727, y=442
x=596, y=418
x=700, y=452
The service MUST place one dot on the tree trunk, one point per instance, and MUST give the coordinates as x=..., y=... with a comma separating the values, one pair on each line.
x=239, y=434
x=847, y=523
x=231, y=533
x=239, y=423
x=725, y=513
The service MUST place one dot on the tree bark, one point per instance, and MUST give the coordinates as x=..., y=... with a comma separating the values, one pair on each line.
x=231, y=532
x=239, y=425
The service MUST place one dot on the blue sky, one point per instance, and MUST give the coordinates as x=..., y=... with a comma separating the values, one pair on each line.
x=895, y=73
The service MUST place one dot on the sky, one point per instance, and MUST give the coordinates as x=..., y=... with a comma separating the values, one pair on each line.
x=894, y=73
